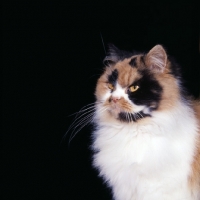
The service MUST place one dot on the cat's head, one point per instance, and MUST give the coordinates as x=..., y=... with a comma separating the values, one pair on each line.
x=133, y=86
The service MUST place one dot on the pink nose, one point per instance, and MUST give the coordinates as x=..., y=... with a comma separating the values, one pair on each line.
x=115, y=99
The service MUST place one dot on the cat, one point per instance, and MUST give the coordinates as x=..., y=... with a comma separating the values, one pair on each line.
x=146, y=140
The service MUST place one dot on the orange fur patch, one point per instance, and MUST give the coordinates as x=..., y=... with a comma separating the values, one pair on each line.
x=194, y=179
x=127, y=74
x=169, y=97
x=171, y=94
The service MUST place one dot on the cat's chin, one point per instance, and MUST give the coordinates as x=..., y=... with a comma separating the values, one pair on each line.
x=115, y=112
x=124, y=116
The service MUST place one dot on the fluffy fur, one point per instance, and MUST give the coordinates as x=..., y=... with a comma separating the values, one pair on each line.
x=147, y=137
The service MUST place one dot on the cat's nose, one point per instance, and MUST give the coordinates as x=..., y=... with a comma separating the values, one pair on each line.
x=115, y=99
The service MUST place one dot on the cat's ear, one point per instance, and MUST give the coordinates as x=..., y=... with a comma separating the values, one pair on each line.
x=156, y=59
x=112, y=55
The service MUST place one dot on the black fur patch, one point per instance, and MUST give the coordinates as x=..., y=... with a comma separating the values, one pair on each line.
x=142, y=59
x=133, y=63
x=149, y=92
x=132, y=117
x=112, y=78
x=175, y=68
x=114, y=54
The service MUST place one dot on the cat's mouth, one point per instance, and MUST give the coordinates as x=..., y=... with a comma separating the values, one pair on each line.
x=126, y=113
x=115, y=109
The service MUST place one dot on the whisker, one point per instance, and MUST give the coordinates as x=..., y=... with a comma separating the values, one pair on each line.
x=82, y=110
x=75, y=133
x=82, y=113
x=77, y=119
x=134, y=117
x=129, y=120
x=82, y=123
x=126, y=116
x=140, y=115
x=77, y=122
x=130, y=117
x=91, y=104
x=137, y=116
x=83, y=120
x=102, y=110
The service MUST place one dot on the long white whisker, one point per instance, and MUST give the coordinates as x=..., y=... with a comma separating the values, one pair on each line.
x=82, y=120
x=102, y=110
x=91, y=105
x=129, y=120
x=129, y=114
x=87, y=121
x=78, y=118
x=140, y=115
x=82, y=113
x=82, y=123
x=134, y=116
x=82, y=110
x=126, y=115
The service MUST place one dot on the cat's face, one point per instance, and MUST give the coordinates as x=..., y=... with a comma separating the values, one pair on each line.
x=132, y=88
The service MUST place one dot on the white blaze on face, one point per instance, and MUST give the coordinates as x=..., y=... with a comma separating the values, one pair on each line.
x=119, y=93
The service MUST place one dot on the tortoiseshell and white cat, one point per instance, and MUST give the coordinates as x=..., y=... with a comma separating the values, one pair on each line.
x=147, y=134
x=146, y=140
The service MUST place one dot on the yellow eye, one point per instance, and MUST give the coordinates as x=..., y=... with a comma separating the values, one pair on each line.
x=133, y=88
x=110, y=86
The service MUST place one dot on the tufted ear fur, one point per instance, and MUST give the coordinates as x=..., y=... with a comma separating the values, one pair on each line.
x=156, y=59
x=114, y=55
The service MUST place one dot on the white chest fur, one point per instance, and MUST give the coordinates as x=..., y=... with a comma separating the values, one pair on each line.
x=150, y=160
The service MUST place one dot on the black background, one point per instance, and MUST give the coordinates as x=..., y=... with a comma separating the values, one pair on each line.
x=52, y=57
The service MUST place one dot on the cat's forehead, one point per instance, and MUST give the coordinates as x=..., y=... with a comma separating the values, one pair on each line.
x=126, y=73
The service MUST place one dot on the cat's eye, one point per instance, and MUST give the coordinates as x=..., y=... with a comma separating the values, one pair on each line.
x=110, y=86
x=133, y=88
